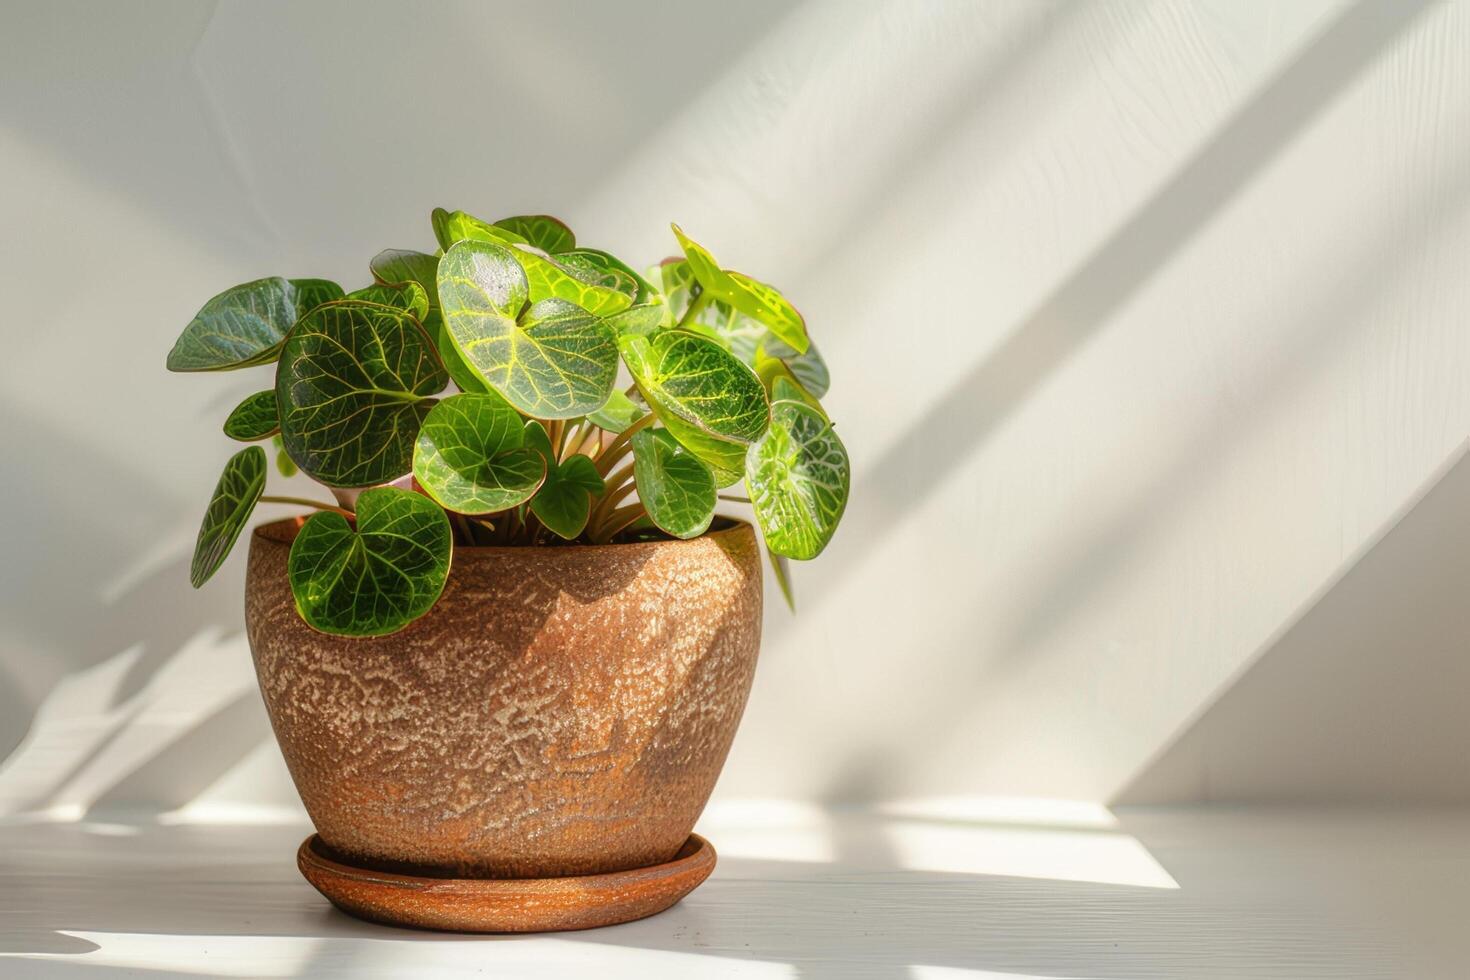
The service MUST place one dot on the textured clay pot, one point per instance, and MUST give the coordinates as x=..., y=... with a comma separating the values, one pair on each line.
x=561, y=711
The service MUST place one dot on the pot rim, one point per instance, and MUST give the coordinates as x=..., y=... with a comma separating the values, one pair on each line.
x=284, y=530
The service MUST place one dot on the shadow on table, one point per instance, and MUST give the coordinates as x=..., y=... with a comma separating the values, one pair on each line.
x=858, y=916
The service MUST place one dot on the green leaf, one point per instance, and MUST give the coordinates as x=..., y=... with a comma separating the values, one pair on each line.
x=285, y=465
x=235, y=495
x=807, y=368
x=724, y=456
x=378, y=578
x=552, y=361
x=696, y=379
x=546, y=279
x=565, y=500
x=619, y=413
x=641, y=319
x=676, y=487
x=542, y=230
x=254, y=418
x=240, y=327
x=397, y=265
x=457, y=226
x=471, y=455
x=406, y=296
x=311, y=293
x=354, y=383
x=798, y=477
x=750, y=296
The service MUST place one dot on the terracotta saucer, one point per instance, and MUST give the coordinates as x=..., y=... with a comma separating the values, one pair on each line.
x=505, y=904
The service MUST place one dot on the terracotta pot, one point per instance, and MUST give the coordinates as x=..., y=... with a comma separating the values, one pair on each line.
x=561, y=711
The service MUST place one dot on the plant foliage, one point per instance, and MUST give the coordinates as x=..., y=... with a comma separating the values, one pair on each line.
x=489, y=372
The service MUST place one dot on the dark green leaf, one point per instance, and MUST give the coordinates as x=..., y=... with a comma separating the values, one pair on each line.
x=354, y=383
x=311, y=293
x=565, y=500
x=750, y=296
x=396, y=265
x=471, y=455
x=456, y=226
x=406, y=296
x=542, y=230
x=238, y=328
x=377, y=578
x=798, y=477
x=676, y=487
x=254, y=418
x=554, y=361
x=235, y=495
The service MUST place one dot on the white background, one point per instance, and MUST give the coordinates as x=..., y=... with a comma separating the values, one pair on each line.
x=1149, y=326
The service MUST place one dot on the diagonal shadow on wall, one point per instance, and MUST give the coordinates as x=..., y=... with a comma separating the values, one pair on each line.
x=1362, y=698
x=974, y=406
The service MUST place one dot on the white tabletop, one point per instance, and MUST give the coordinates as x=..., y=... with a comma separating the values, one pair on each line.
x=944, y=890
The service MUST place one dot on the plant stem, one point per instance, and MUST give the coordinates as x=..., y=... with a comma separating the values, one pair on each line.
x=617, y=521
x=733, y=498
x=305, y=502
x=618, y=448
x=695, y=307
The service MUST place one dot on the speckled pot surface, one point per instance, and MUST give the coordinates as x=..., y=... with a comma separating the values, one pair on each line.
x=560, y=711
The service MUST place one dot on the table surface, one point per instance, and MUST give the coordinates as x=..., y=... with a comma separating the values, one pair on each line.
x=937, y=890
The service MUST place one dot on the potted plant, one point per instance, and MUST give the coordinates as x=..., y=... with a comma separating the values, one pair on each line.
x=506, y=661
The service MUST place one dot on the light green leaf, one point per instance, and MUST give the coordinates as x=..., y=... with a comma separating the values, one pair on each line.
x=553, y=361
x=407, y=296
x=355, y=381
x=750, y=296
x=457, y=226
x=641, y=319
x=808, y=368
x=254, y=418
x=285, y=465
x=229, y=508
x=724, y=456
x=546, y=279
x=798, y=478
x=240, y=327
x=542, y=230
x=619, y=413
x=696, y=380
x=676, y=487
x=377, y=578
x=565, y=500
x=471, y=455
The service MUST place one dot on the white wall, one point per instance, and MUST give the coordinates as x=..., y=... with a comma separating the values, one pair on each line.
x=1145, y=320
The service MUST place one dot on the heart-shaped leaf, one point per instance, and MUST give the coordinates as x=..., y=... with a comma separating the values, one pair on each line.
x=355, y=382
x=565, y=500
x=542, y=230
x=750, y=296
x=457, y=226
x=240, y=327
x=378, y=578
x=552, y=361
x=254, y=418
x=797, y=477
x=617, y=414
x=408, y=296
x=676, y=487
x=234, y=498
x=545, y=279
x=471, y=455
